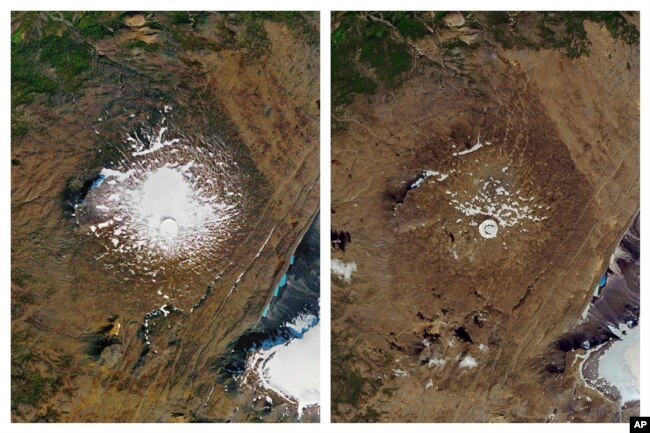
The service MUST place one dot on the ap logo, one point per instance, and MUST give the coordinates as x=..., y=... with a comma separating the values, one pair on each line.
x=639, y=424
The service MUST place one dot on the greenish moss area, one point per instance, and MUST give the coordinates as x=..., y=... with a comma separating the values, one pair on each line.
x=348, y=387
x=388, y=57
x=30, y=387
x=27, y=78
x=371, y=53
x=367, y=54
x=96, y=25
x=46, y=58
x=19, y=276
x=69, y=57
x=180, y=17
x=409, y=24
x=566, y=30
x=19, y=127
x=253, y=37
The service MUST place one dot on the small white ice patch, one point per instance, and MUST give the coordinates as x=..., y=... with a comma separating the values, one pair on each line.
x=343, y=270
x=474, y=148
x=104, y=224
x=427, y=174
x=157, y=142
x=302, y=323
x=468, y=362
x=436, y=362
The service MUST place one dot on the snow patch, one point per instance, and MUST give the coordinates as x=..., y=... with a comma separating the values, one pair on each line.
x=468, y=362
x=496, y=201
x=292, y=369
x=436, y=362
x=302, y=323
x=154, y=143
x=619, y=366
x=427, y=174
x=343, y=270
x=474, y=148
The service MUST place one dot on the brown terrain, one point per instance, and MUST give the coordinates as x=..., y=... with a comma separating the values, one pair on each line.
x=429, y=295
x=78, y=342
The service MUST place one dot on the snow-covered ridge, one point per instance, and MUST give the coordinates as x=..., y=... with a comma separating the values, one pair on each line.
x=474, y=148
x=427, y=174
x=153, y=143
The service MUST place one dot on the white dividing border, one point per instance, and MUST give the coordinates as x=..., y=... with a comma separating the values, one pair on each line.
x=325, y=218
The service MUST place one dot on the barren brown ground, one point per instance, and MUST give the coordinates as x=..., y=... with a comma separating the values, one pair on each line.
x=568, y=133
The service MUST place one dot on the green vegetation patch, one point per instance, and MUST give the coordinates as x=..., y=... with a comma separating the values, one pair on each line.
x=348, y=387
x=182, y=26
x=617, y=25
x=241, y=30
x=30, y=386
x=366, y=54
x=388, y=57
x=69, y=58
x=19, y=128
x=408, y=23
x=46, y=57
x=180, y=17
x=27, y=78
x=19, y=276
x=98, y=25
